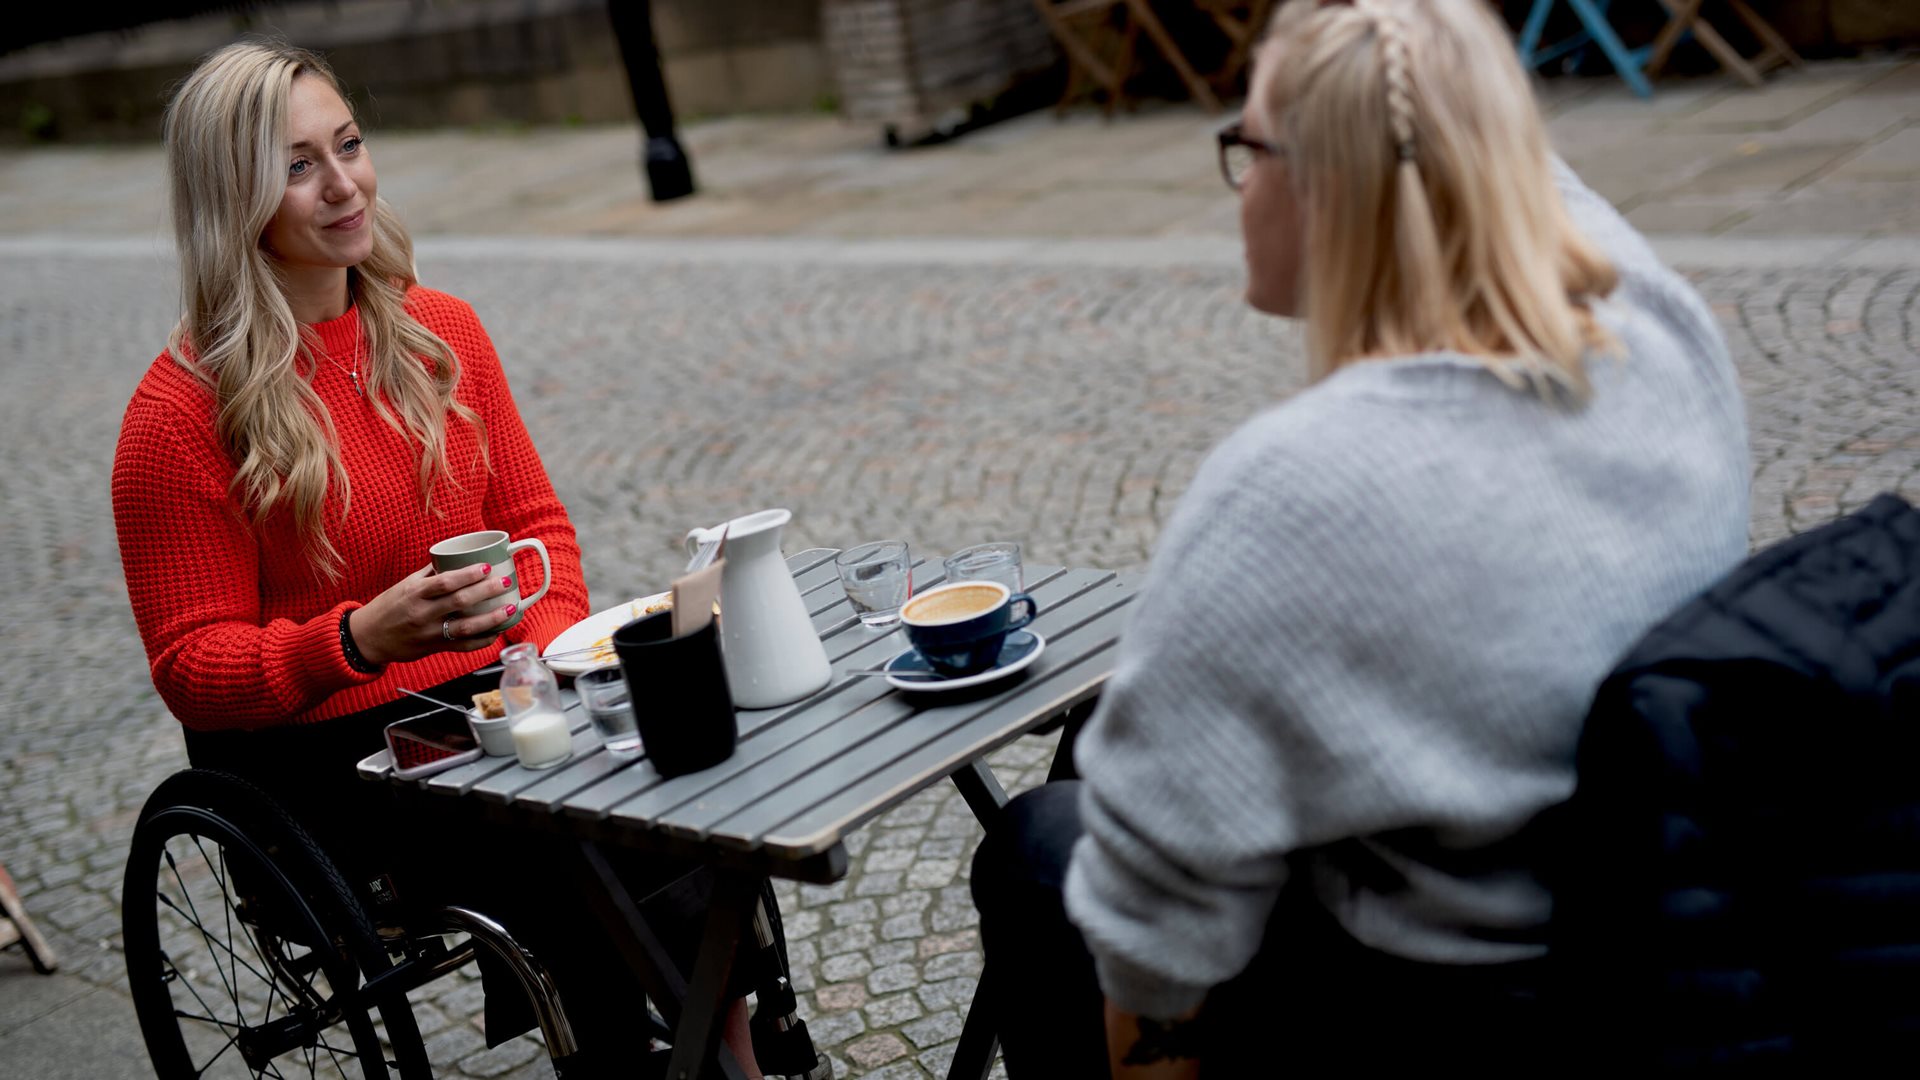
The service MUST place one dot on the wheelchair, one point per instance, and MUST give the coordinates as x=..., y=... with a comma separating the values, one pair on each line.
x=248, y=955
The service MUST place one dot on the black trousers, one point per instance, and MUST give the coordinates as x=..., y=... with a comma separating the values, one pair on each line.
x=410, y=859
x=1313, y=1001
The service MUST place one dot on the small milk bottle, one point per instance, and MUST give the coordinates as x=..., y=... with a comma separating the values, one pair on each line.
x=532, y=700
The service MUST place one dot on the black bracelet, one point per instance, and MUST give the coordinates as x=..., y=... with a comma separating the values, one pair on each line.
x=352, y=651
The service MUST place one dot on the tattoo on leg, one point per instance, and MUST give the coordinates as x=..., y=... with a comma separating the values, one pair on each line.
x=1165, y=1040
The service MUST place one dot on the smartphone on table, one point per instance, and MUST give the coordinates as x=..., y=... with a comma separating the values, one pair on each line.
x=426, y=744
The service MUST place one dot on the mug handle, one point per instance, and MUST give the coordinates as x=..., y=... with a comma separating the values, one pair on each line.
x=1029, y=610
x=546, y=567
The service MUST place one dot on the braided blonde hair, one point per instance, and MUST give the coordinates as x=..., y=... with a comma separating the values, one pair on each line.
x=1433, y=223
x=227, y=154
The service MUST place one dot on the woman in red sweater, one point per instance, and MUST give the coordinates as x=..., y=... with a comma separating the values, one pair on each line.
x=317, y=422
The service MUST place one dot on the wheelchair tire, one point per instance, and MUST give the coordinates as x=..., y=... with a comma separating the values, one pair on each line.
x=240, y=937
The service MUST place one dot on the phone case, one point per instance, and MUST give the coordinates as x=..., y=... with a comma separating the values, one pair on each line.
x=428, y=768
x=413, y=759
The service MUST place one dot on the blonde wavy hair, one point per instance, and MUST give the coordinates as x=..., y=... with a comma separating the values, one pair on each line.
x=226, y=134
x=1423, y=172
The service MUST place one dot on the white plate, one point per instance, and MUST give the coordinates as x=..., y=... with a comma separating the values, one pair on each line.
x=598, y=625
x=1026, y=645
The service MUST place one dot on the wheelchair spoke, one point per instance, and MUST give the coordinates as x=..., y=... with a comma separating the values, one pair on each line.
x=185, y=1015
x=226, y=910
x=187, y=895
x=238, y=961
x=231, y=1039
x=227, y=899
x=273, y=985
x=184, y=981
x=336, y=1058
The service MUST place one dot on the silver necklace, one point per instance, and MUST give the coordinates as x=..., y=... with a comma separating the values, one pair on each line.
x=353, y=372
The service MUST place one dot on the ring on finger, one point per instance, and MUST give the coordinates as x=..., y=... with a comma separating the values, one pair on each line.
x=446, y=628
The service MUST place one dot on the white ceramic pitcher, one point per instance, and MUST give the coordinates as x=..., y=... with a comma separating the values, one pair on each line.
x=773, y=654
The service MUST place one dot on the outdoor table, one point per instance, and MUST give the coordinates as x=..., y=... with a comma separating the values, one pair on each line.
x=803, y=777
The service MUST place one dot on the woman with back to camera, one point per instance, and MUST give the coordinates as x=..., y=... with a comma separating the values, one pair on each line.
x=316, y=423
x=1360, y=664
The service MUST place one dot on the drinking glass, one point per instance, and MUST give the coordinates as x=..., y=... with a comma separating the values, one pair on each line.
x=604, y=694
x=878, y=578
x=998, y=561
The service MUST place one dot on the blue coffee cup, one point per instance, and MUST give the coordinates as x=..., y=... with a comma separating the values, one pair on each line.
x=960, y=627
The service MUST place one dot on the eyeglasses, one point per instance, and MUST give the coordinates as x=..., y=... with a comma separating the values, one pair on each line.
x=1238, y=152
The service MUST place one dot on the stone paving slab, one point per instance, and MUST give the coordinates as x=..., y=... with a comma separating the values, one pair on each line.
x=1764, y=170
x=1897, y=157
x=1821, y=210
x=1780, y=102
x=26, y=995
x=875, y=394
x=99, y=1020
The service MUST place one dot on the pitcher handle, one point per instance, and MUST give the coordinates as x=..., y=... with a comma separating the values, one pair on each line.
x=696, y=538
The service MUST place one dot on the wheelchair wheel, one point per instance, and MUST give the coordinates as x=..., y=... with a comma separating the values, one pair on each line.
x=245, y=948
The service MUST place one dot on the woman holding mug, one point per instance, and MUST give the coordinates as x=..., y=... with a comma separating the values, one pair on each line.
x=1360, y=664
x=318, y=421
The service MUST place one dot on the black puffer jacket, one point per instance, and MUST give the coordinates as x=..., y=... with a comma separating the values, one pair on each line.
x=1738, y=874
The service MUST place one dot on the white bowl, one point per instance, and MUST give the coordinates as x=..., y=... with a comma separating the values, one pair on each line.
x=495, y=735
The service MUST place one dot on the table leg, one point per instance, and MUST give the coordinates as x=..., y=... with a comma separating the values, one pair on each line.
x=1062, y=767
x=696, y=1011
x=1202, y=93
x=981, y=789
x=1778, y=51
x=696, y=1038
x=1530, y=32
x=659, y=976
x=1726, y=54
x=1593, y=16
x=978, y=1041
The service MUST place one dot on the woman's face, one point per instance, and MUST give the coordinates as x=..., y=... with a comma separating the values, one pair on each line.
x=325, y=218
x=1271, y=227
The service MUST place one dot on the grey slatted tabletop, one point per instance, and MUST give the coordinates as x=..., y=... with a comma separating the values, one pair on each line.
x=805, y=775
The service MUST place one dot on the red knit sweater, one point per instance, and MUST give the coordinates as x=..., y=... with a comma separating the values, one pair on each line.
x=241, y=627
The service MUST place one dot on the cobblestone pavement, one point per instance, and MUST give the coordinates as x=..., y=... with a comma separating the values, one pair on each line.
x=1066, y=407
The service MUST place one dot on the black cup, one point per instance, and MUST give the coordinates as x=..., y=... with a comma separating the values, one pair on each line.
x=680, y=697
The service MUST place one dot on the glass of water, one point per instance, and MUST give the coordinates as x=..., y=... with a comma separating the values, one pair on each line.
x=878, y=578
x=998, y=561
x=604, y=694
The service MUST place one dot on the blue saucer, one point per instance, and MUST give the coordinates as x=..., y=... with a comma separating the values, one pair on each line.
x=910, y=670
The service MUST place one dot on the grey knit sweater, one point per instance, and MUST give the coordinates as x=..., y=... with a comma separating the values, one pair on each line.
x=1378, y=615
